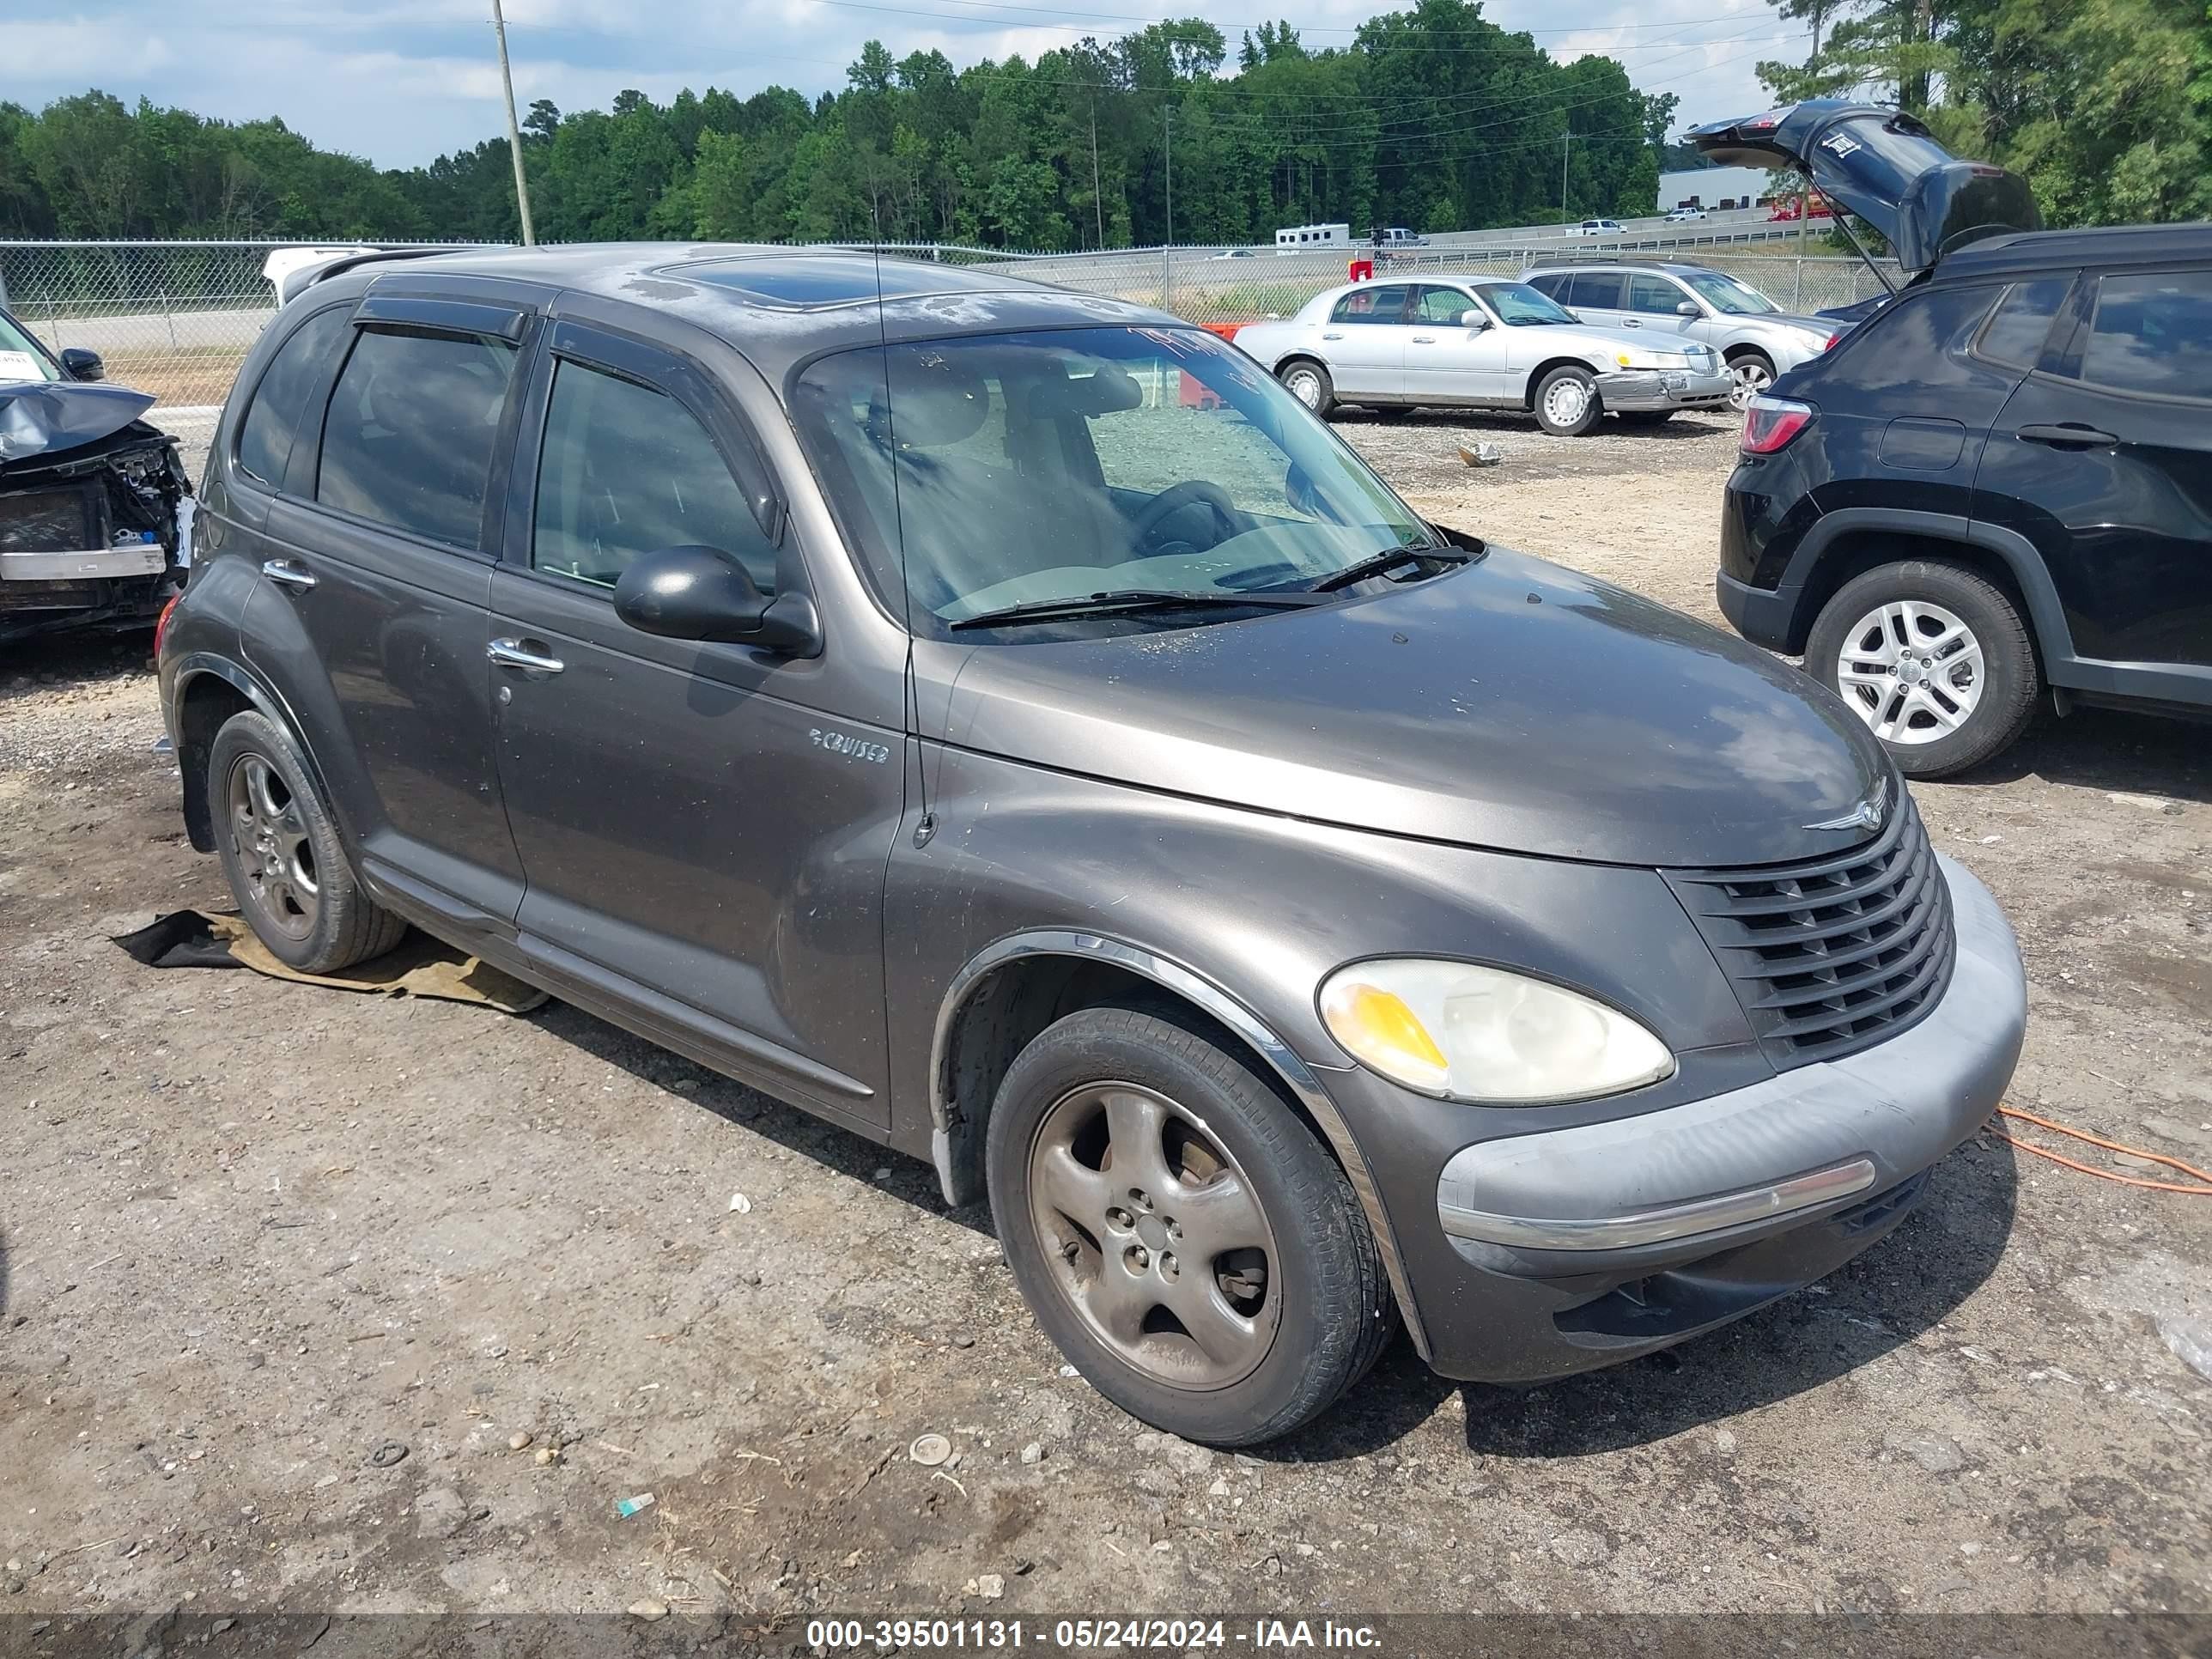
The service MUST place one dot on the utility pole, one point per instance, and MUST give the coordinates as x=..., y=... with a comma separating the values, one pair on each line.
x=1097, y=197
x=1167, y=145
x=513, y=132
x=1566, y=139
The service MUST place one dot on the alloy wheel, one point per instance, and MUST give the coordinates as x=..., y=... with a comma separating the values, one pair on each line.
x=1748, y=377
x=1911, y=671
x=1155, y=1235
x=269, y=835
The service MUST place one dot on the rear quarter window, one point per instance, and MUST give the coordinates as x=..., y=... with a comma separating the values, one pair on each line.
x=2016, y=331
x=264, y=438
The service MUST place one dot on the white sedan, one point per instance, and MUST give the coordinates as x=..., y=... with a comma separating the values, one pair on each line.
x=1480, y=342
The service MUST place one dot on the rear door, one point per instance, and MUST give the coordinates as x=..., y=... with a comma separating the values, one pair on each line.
x=1364, y=341
x=370, y=618
x=1446, y=361
x=703, y=827
x=1598, y=297
x=2103, y=459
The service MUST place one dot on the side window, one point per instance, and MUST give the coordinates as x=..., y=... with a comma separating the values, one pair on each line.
x=1442, y=305
x=264, y=437
x=1600, y=290
x=2153, y=333
x=625, y=470
x=1372, y=305
x=408, y=438
x=2016, y=329
x=1552, y=285
x=1654, y=296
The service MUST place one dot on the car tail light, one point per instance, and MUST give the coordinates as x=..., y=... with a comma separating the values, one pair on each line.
x=1769, y=424
x=1832, y=338
x=162, y=623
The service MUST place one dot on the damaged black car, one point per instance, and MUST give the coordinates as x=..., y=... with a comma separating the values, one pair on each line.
x=96, y=506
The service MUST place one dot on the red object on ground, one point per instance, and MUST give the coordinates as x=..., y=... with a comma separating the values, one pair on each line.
x=1226, y=331
x=1363, y=270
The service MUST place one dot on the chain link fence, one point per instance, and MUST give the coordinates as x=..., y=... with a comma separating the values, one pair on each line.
x=177, y=319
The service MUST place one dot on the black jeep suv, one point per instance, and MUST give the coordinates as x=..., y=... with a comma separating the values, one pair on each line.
x=2002, y=480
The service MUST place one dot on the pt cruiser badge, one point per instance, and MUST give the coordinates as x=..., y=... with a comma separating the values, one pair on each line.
x=1867, y=814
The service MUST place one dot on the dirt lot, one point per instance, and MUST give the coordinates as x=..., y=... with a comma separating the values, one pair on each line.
x=254, y=1238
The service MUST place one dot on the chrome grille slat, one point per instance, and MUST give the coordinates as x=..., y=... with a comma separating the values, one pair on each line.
x=1833, y=954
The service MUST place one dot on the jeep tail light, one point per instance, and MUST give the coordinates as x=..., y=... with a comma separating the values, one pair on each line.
x=1769, y=424
x=162, y=623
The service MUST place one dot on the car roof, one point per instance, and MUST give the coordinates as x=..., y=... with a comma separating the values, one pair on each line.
x=1561, y=265
x=2037, y=250
x=775, y=305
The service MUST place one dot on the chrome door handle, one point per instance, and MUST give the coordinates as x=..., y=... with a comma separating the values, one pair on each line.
x=510, y=654
x=1332, y=337
x=284, y=571
x=1425, y=339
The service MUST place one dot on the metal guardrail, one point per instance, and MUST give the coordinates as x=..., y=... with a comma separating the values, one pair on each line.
x=176, y=319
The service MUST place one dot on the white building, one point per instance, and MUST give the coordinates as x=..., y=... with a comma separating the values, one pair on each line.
x=1708, y=187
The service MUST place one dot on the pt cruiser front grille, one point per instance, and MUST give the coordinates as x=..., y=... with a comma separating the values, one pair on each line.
x=1832, y=955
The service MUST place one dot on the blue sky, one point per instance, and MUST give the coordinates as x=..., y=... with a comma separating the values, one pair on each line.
x=401, y=81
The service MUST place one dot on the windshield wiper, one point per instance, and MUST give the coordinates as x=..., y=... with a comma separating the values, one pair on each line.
x=1389, y=558
x=1132, y=599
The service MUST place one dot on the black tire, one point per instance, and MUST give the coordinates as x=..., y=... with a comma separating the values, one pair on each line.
x=1324, y=398
x=1644, y=417
x=1393, y=411
x=1333, y=1314
x=313, y=915
x=1584, y=415
x=2009, y=682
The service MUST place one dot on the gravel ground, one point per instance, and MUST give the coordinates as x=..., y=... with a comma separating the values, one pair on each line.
x=322, y=1301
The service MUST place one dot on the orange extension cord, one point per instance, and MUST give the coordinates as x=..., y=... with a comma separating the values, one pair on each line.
x=2203, y=1191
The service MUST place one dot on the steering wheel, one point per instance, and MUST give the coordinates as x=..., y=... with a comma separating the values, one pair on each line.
x=1192, y=492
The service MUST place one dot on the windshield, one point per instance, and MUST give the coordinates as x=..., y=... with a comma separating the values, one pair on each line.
x=1724, y=293
x=21, y=359
x=1519, y=306
x=1012, y=469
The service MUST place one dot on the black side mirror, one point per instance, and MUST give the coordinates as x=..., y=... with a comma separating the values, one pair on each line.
x=79, y=364
x=703, y=593
x=1688, y=308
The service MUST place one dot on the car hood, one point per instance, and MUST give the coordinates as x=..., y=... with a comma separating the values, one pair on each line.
x=1599, y=338
x=1510, y=704
x=1885, y=167
x=38, y=417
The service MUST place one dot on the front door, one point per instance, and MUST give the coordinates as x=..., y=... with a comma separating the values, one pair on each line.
x=2103, y=459
x=1364, y=341
x=703, y=844
x=1655, y=302
x=370, y=617
x=1446, y=361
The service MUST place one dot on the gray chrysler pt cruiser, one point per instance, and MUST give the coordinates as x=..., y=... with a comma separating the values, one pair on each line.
x=1006, y=723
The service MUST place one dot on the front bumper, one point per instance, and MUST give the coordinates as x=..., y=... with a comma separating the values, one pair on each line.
x=1584, y=1246
x=1639, y=389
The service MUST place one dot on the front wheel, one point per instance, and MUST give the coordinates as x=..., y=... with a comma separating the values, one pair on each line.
x=1748, y=376
x=1310, y=383
x=1179, y=1233
x=1567, y=404
x=1935, y=660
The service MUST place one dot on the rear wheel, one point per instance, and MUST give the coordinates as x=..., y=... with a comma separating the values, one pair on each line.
x=1751, y=373
x=1310, y=383
x=1179, y=1233
x=1935, y=660
x=1567, y=404
x=282, y=855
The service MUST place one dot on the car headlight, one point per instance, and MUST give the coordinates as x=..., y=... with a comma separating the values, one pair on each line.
x=1465, y=1031
x=1649, y=359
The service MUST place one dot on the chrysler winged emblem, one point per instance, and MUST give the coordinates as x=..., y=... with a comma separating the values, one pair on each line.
x=1867, y=814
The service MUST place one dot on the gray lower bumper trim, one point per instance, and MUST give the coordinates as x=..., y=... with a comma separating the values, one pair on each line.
x=1810, y=1137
